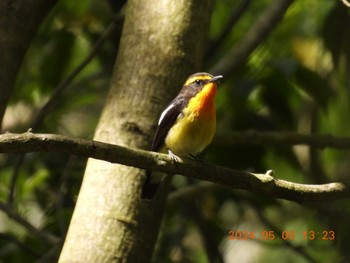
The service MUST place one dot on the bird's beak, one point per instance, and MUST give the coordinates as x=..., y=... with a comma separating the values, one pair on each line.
x=216, y=78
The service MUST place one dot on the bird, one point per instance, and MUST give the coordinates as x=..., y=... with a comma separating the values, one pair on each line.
x=186, y=126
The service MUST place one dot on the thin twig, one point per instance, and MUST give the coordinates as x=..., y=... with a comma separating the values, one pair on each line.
x=48, y=238
x=252, y=39
x=67, y=81
x=10, y=238
x=51, y=255
x=43, y=111
x=265, y=184
x=236, y=15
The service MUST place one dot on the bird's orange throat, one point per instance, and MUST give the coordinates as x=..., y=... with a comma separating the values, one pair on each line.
x=203, y=103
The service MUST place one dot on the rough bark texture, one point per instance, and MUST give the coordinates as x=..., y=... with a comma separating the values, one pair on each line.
x=162, y=43
x=19, y=21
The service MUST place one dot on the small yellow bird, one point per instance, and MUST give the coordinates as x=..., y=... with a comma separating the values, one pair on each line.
x=186, y=126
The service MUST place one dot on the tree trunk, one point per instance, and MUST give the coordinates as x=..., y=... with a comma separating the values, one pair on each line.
x=19, y=21
x=162, y=43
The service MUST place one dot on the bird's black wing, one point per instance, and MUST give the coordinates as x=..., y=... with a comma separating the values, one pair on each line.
x=166, y=121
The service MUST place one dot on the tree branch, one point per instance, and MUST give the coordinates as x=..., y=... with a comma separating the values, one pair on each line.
x=259, y=183
x=235, y=16
x=51, y=103
x=282, y=138
x=252, y=39
x=346, y=3
x=12, y=239
x=42, y=112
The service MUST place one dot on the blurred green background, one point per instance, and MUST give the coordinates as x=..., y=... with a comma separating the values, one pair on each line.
x=297, y=80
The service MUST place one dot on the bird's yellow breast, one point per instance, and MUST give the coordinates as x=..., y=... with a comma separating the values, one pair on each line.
x=195, y=127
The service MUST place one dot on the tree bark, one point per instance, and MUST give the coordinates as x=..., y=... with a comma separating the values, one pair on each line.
x=19, y=21
x=162, y=43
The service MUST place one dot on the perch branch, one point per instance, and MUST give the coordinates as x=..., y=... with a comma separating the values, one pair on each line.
x=259, y=183
x=346, y=3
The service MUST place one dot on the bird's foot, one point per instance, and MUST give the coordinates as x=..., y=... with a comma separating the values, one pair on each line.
x=174, y=157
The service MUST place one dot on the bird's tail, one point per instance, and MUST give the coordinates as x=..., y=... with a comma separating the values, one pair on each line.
x=150, y=186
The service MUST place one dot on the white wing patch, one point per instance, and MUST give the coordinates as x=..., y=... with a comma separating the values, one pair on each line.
x=165, y=112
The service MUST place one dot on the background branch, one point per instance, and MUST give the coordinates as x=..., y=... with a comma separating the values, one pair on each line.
x=48, y=238
x=235, y=16
x=13, y=239
x=252, y=39
x=42, y=112
x=18, y=24
x=60, y=88
x=281, y=138
x=259, y=183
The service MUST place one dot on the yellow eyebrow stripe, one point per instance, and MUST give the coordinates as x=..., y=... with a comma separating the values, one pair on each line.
x=190, y=80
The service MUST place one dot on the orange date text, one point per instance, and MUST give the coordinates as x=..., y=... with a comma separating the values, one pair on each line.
x=266, y=235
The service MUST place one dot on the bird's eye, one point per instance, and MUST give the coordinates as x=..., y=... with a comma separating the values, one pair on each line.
x=197, y=81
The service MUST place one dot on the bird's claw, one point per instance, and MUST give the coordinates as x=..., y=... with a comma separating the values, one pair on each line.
x=174, y=157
